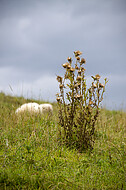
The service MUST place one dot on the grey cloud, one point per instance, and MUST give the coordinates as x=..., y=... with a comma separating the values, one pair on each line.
x=36, y=37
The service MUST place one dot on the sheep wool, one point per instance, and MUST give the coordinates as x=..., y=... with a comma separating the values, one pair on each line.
x=45, y=108
x=30, y=107
x=35, y=108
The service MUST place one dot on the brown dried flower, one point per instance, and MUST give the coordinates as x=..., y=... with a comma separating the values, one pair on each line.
x=97, y=77
x=68, y=66
x=83, y=69
x=78, y=96
x=101, y=85
x=59, y=79
x=72, y=70
x=94, y=85
x=79, y=72
x=83, y=60
x=79, y=78
x=61, y=86
x=69, y=59
x=77, y=53
x=65, y=65
x=58, y=99
x=78, y=58
x=76, y=67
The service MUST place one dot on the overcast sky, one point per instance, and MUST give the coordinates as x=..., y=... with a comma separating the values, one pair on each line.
x=36, y=37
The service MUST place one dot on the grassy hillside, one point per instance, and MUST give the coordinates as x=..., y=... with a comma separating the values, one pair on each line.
x=32, y=158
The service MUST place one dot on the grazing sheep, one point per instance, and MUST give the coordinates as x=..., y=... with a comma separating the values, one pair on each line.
x=30, y=107
x=35, y=108
x=45, y=108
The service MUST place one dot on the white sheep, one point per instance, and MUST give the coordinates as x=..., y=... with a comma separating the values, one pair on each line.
x=30, y=107
x=35, y=108
x=45, y=108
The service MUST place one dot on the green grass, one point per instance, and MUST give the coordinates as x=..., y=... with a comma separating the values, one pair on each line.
x=32, y=158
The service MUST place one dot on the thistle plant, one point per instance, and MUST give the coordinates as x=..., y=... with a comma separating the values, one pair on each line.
x=78, y=105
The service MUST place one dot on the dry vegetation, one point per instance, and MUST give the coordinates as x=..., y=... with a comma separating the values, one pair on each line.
x=78, y=104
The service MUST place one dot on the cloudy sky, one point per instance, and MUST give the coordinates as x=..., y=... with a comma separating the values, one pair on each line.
x=36, y=37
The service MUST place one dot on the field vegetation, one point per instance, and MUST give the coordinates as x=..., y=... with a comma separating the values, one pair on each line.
x=32, y=157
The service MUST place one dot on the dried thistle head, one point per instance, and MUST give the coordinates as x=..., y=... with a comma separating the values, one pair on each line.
x=94, y=85
x=65, y=65
x=101, y=85
x=69, y=66
x=76, y=67
x=72, y=70
x=69, y=59
x=82, y=69
x=59, y=79
x=77, y=53
x=97, y=77
x=58, y=99
x=83, y=61
x=78, y=96
x=61, y=86
x=79, y=72
x=78, y=58
x=79, y=78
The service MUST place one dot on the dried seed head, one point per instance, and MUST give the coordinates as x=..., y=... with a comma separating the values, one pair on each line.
x=69, y=59
x=72, y=70
x=83, y=60
x=101, y=85
x=58, y=99
x=59, y=79
x=79, y=78
x=79, y=72
x=94, y=85
x=78, y=58
x=61, y=86
x=76, y=67
x=68, y=66
x=65, y=65
x=97, y=77
x=78, y=96
x=77, y=53
x=83, y=69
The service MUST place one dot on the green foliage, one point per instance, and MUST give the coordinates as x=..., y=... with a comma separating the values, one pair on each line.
x=31, y=158
x=78, y=105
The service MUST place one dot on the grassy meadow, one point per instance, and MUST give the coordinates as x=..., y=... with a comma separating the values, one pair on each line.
x=31, y=157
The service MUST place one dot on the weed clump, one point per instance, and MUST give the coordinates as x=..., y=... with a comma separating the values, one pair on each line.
x=78, y=105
